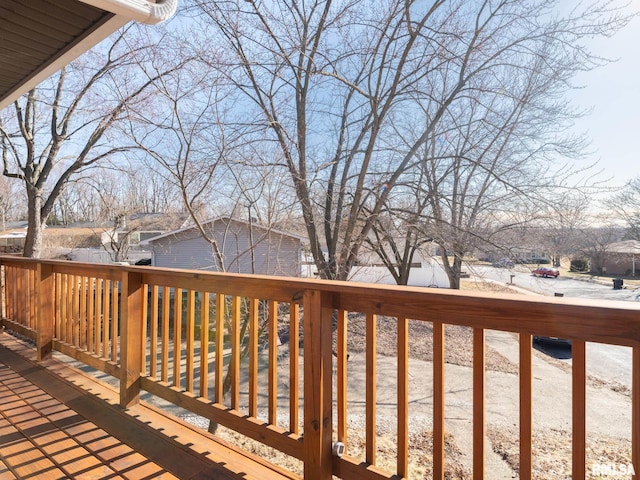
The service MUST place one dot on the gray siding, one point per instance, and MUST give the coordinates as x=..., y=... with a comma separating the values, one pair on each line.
x=273, y=253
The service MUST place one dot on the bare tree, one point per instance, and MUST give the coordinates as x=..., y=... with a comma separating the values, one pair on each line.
x=489, y=160
x=595, y=241
x=329, y=84
x=10, y=201
x=560, y=230
x=400, y=232
x=66, y=125
x=626, y=206
x=189, y=145
x=305, y=73
x=203, y=153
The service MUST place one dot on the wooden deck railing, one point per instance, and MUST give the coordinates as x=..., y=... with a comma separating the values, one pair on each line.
x=209, y=343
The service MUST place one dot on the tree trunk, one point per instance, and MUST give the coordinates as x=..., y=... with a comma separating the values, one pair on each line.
x=35, y=225
x=453, y=269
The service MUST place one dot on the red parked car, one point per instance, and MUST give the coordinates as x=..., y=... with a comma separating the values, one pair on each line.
x=546, y=272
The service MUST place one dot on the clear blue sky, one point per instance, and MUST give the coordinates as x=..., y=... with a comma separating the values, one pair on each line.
x=613, y=92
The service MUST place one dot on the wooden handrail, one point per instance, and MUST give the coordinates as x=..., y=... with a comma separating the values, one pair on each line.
x=145, y=325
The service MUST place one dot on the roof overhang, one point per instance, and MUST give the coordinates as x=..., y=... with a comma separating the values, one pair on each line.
x=627, y=246
x=39, y=37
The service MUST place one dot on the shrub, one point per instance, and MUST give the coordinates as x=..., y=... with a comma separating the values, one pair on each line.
x=580, y=265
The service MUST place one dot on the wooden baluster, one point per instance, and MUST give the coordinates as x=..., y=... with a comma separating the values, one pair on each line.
x=91, y=340
x=190, y=333
x=273, y=361
x=635, y=412
x=294, y=370
x=438, y=401
x=82, y=291
x=153, y=333
x=177, y=337
x=7, y=293
x=69, y=302
x=341, y=380
x=106, y=288
x=114, y=320
x=20, y=299
x=371, y=387
x=98, y=293
x=45, y=318
x=76, y=310
x=4, y=300
x=235, y=353
x=526, y=391
x=166, y=296
x=91, y=337
x=204, y=346
x=14, y=294
x=579, y=410
x=64, y=315
x=253, y=356
x=33, y=298
x=403, y=398
x=219, y=380
x=145, y=326
x=13, y=281
x=478, y=402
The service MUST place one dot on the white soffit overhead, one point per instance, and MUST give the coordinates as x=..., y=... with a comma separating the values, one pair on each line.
x=22, y=51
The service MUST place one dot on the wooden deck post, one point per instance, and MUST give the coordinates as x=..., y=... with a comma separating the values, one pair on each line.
x=318, y=427
x=635, y=412
x=131, y=301
x=45, y=313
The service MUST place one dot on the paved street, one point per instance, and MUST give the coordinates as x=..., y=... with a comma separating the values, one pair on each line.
x=549, y=286
x=607, y=362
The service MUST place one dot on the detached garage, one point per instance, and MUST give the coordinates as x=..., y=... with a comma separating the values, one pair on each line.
x=245, y=247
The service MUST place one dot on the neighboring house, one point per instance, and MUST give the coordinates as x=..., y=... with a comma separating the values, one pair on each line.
x=619, y=258
x=426, y=271
x=123, y=241
x=246, y=247
x=97, y=242
x=57, y=241
x=12, y=242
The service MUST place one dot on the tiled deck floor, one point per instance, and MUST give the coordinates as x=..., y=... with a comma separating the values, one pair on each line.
x=56, y=423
